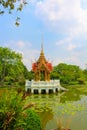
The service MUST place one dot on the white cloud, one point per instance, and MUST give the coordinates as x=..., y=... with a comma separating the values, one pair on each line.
x=71, y=47
x=57, y=61
x=25, y=48
x=65, y=41
x=60, y=42
x=29, y=56
x=74, y=59
x=64, y=15
x=20, y=44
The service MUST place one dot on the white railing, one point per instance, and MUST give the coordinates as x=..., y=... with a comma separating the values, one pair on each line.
x=50, y=83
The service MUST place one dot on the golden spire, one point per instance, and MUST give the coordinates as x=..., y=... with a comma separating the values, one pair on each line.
x=42, y=48
x=42, y=52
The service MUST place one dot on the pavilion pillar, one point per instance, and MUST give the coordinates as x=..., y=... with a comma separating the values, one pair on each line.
x=47, y=91
x=39, y=75
x=26, y=88
x=49, y=76
x=32, y=90
x=54, y=90
x=45, y=76
x=39, y=91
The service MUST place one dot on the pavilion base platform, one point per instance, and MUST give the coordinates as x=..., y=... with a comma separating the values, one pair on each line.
x=39, y=87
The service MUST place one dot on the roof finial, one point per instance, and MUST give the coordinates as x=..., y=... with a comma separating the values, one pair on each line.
x=42, y=46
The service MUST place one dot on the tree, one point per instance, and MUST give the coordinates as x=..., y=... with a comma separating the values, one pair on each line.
x=30, y=75
x=85, y=73
x=67, y=73
x=54, y=73
x=12, y=68
x=10, y=5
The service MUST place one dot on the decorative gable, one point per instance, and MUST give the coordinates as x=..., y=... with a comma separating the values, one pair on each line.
x=42, y=67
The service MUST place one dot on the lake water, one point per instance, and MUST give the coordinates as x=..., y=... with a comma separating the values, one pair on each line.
x=66, y=108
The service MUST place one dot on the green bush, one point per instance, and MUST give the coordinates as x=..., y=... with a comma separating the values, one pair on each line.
x=73, y=83
x=32, y=121
x=12, y=114
x=81, y=80
x=10, y=109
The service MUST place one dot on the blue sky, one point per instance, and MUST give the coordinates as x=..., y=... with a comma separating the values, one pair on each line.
x=63, y=25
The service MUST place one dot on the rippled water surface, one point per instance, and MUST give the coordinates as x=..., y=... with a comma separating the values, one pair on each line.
x=68, y=109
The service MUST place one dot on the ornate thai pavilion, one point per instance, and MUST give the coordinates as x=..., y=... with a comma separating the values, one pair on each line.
x=42, y=83
x=42, y=68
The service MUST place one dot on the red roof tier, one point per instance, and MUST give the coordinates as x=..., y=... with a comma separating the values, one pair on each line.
x=42, y=66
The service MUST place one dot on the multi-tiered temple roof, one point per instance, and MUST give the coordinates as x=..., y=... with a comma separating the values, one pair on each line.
x=42, y=68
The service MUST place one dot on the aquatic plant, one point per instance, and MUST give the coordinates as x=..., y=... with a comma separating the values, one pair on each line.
x=66, y=112
x=60, y=124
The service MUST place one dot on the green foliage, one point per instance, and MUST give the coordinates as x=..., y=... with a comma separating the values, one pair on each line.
x=14, y=72
x=10, y=110
x=85, y=74
x=12, y=68
x=32, y=120
x=67, y=73
x=11, y=5
x=30, y=75
x=81, y=80
x=73, y=83
x=54, y=75
x=13, y=116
